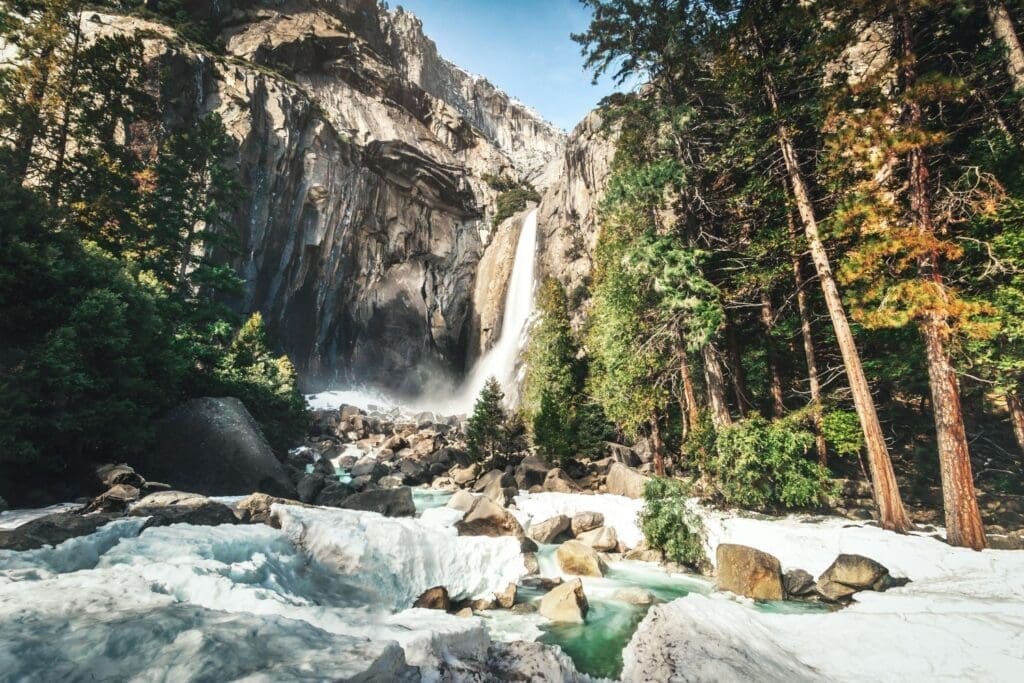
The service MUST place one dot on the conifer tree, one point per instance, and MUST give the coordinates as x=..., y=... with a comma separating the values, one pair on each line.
x=485, y=430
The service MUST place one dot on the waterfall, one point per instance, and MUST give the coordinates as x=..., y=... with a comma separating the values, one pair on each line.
x=500, y=360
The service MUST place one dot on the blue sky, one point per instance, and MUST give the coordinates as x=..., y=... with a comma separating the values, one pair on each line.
x=522, y=46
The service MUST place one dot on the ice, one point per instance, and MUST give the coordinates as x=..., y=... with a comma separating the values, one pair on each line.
x=620, y=513
x=70, y=556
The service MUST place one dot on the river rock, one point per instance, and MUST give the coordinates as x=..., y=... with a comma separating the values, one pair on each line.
x=531, y=472
x=486, y=518
x=634, y=596
x=175, y=507
x=566, y=603
x=51, y=530
x=334, y=493
x=507, y=597
x=213, y=446
x=114, y=499
x=462, y=476
x=388, y=502
x=586, y=521
x=523, y=661
x=548, y=530
x=112, y=475
x=798, y=583
x=602, y=539
x=849, y=574
x=434, y=598
x=576, y=558
x=369, y=466
x=413, y=472
x=749, y=572
x=623, y=481
x=558, y=481
x=255, y=509
x=531, y=563
x=462, y=500
x=310, y=486
x=465, y=612
x=645, y=555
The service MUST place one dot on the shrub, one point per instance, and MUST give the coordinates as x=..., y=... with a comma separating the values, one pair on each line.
x=513, y=201
x=668, y=525
x=758, y=464
x=842, y=432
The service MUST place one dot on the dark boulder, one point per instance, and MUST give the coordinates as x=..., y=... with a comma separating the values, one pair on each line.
x=334, y=494
x=112, y=475
x=213, y=446
x=849, y=574
x=174, y=507
x=798, y=583
x=115, y=499
x=310, y=486
x=531, y=472
x=51, y=530
x=434, y=598
x=388, y=502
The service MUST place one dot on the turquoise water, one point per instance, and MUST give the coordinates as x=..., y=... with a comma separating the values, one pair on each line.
x=425, y=499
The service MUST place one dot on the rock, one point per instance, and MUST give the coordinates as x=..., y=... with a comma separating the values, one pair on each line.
x=413, y=473
x=644, y=555
x=347, y=412
x=174, y=507
x=462, y=500
x=585, y=521
x=634, y=596
x=51, y=530
x=531, y=563
x=622, y=454
x=493, y=479
x=576, y=558
x=369, y=466
x=507, y=597
x=115, y=499
x=748, y=572
x=531, y=472
x=310, y=486
x=3, y=505
x=797, y=583
x=527, y=545
x=849, y=574
x=486, y=518
x=524, y=608
x=390, y=482
x=255, y=509
x=462, y=476
x=558, y=481
x=112, y=475
x=434, y=598
x=548, y=530
x=566, y=603
x=544, y=583
x=603, y=539
x=465, y=612
x=623, y=481
x=213, y=446
x=523, y=661
x=334, y=494
x=388, y=502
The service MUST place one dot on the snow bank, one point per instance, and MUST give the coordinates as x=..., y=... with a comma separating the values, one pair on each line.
x=620, y=513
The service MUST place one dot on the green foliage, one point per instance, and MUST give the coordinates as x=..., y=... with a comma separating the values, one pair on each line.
x=759, y=464
x=491, y=433
x=842, y=432
x=512, y=201
x=667, y=523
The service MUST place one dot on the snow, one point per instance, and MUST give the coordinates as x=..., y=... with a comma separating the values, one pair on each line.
x=620, y=513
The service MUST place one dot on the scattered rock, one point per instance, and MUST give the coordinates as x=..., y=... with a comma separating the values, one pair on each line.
x=622, y=454
x=524, y=608
x=391, y=482
x=531, y=563
x=255, y=509
x=634, y=596
x=462, y=476
x=112, y=475
x=115, y=499
x=486, y=518
x=849, y=574
x=531, y=472
x=549, y=530
x=565, y=603
x=465, y=612
x=645, y=555
x=310, y=486
x=507, y=597
x=51, y=530
x=576, y=558
x=369, y=466
x=334, y=494
x=585, y=521
x=174, y=507
x=623, y=481
x=434, y=598
x=603, y=539
x=798, y=583
x=527, y=544
x=462, y=500
x=558, y=481
x=749, y=572
x=388, y=502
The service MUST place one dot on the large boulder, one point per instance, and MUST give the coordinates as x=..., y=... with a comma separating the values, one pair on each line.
x=492, y=479
x=463, y=476
x=531, y=472
x=111, y=475
x=558, y=481
x=115, y=499
x=798, y=583
x=849, y=574
x=548, y=530
x=369, y=466
x=255, y=509
x=434, y=598
x=213, y=446
x=462, y=500
x=486, y=518
x=51, y=530
x=310, y=486
x=576, y=558
x=624, y=481
x=565, y=603
x=585, y=521
x=334, y=494
x=749, y=572
x=603, y=539
x=395, y=502
x=175, y=507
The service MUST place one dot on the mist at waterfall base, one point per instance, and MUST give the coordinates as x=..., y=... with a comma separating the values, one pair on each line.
x=443, y=397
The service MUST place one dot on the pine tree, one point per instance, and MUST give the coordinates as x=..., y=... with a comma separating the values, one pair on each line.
x=486, y=428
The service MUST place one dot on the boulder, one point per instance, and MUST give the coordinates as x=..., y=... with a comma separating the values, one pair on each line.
x=622, y=454
x=531, y=563
x=496, y=487
x=462, y=476
x=749, y=572
x=310, y=486
x=623, y=481
x=112, y=475
x=486, y=518
x=849, y=574
x=413, y=472
x=388, y=502
x=462, y=500
x=576, y=558
x=369, y=466
x=558, y=481
x=51, y=530
x=549, y=530
x=586, y=521
x=434, y=598
x=175, y=507
x=798, y=583
x=565, y=603
x=213, y=446
x=465, y=612
x=634, y=596
x=335, y=493
x=114, y=499
x=494, y=479
x=527, y=545
x=255, y=509
x=645, y=555
x=391, y=481
x=531, y=472
x=507, y=597
x=603, y=539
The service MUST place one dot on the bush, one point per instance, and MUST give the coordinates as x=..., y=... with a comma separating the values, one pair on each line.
x=668, y=525
x=759, y=464
x=513, y=201
x=842, y=432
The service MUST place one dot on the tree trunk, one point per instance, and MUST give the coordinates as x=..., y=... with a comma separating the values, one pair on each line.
x=691, y=413
x=1005, y=33
x=963, y=519
x=774, y=375
x=891, y=512
x=715, y=379
x=1016, y=408
x=734, y=362
x=814, y=384
x=657, y=447
x=61, y=147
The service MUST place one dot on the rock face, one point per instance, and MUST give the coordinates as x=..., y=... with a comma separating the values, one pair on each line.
x=565, y=603
x=363, y=154
x=749, y=572
x=214, y=447
x=576, y=558
x=624, y=481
